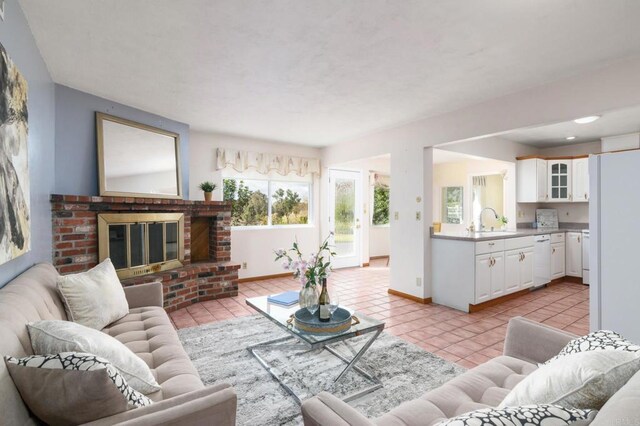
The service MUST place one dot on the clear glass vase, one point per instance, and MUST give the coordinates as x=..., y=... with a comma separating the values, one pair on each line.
x=308, y=296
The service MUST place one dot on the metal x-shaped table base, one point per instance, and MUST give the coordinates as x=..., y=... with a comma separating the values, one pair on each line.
x=351, y=364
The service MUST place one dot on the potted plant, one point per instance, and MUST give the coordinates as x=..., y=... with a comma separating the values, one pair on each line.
x=208, y=188
x=308, y=271
x=503, y=222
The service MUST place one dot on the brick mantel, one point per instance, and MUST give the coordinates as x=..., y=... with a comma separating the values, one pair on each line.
x=75, y=244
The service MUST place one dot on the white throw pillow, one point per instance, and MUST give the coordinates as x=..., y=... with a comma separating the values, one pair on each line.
x=94, y=298
x=544, y=414
x=53, y=336
x=579, y=380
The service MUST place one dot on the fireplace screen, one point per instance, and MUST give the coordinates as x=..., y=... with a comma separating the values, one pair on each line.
x=141, y=243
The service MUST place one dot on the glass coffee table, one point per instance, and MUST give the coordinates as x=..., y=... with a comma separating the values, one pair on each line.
x=281, y=315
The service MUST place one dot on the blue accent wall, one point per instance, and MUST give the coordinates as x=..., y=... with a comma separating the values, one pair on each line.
x=18, y=41
x=76, y=147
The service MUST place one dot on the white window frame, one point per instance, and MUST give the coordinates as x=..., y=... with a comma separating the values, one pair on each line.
x=270, y=225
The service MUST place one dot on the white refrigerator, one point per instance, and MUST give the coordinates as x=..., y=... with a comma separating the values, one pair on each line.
x=614, y=222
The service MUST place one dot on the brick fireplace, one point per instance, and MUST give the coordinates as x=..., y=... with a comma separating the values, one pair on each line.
x=207, y=272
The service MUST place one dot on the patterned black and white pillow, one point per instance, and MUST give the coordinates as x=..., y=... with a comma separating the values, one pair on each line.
x=597, y=341
x=545, y=414
x=83, y=362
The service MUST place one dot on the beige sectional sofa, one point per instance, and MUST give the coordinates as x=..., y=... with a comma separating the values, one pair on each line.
x=527, y=344
x=147, y=331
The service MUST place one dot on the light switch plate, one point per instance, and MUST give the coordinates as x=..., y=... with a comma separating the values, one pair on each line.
x=418, y=216
x=396, y=215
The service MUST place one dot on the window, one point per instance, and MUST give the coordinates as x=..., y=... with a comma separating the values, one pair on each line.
x=267, y=202
x=452, y=204
x=380, y=210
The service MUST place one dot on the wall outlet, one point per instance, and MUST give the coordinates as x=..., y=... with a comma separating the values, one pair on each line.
x=418, y=282
x=418, y=216
x=520, y=214
x=396, y=215
x=244, y=265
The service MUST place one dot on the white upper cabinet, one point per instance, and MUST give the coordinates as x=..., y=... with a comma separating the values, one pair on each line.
x=580, y=173
x=559, y=179
x=532, y=180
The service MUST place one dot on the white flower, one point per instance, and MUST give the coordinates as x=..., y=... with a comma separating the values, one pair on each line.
x=286, y=265
x=281, y=252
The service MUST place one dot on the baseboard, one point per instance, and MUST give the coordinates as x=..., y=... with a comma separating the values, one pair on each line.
x=409, y=296
x=493, y=302
x=366, y=265
x=566, y=279
x=378, y=257
x=265, y=277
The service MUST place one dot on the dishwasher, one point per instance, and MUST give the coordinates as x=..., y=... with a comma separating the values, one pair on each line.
x=541, y=260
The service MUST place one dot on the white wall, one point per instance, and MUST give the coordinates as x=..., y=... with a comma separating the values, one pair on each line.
x=615, y=86
x=253, y=246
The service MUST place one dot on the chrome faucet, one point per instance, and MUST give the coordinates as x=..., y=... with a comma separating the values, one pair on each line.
x=482, y=211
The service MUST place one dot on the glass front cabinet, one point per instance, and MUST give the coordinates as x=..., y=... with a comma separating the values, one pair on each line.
x=559, y=179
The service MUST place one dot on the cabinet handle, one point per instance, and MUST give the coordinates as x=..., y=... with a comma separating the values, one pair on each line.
x=586, y=196
x=553, y=250
x=492, y=244
x=578, y=238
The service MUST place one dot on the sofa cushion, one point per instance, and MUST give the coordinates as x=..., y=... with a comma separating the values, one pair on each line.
x=623, y=408
x=149, y=334
x=579, y=380
x=94, y=298
x=72, y=388
x=481, y=387
x=52, y=337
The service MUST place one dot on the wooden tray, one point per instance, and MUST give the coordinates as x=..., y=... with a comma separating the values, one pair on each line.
x=341, y=320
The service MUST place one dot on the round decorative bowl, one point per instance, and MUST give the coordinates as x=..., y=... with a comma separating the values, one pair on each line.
x=341, y=320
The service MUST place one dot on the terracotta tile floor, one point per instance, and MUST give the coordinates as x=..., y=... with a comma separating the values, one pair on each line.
x=467, y=339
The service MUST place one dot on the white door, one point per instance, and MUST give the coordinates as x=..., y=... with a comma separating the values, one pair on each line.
x=574, y=254
x=483, y=278
x=557, y=260
x=580, y=179
x=512, y=262
x=345, y=217
x=541, y=180
x=559, y=179
x=526, y=268
x=497, y=275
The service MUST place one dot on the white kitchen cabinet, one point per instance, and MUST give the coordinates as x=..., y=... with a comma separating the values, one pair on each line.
x=559, y=180
x=518, y=273
x=489, y=276
x=557, y=260
x=531, y=180
x=526, y=268
x=483, y=278
x=573, y=263
x=580, y=179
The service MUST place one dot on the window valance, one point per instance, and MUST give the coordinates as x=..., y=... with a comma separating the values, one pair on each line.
x=265, y=163
x=381, y=180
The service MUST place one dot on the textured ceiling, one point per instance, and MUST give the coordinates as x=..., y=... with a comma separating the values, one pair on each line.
x=318, y=72
x=610, y=124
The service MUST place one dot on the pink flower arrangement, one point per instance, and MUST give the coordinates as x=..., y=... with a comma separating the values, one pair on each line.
x=309, y=271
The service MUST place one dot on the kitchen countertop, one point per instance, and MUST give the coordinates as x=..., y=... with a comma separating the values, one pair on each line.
x=499, y=235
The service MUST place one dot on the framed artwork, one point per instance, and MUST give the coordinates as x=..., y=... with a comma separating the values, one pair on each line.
x=15, y=226
x=452, y=207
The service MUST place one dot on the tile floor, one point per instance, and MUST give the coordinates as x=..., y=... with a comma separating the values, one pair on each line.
x=467, y=339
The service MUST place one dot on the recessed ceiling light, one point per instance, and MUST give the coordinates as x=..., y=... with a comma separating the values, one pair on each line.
x=585, y=120
x=570, y=138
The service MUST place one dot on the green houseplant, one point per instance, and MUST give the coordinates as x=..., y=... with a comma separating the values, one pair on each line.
x=208, y=188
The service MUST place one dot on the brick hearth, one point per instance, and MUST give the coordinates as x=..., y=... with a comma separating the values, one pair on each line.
x=75, y=244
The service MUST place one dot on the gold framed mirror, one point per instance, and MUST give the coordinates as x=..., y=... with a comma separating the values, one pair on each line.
x=136, y=160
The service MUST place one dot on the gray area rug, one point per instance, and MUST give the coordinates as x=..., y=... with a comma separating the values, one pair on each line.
x=219, y=353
